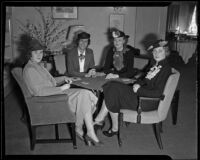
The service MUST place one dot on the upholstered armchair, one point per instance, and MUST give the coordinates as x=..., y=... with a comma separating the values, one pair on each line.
x=46, y=110
x=156, y=116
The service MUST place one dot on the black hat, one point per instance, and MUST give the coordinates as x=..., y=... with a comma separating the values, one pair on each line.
x=117, y=33
x=158, y=43
x=35, y=45
x=83, y=35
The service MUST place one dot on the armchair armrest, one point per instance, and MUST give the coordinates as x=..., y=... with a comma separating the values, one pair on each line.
x=139, y=75
x=148, y=103
x=49, y=99
x=149, y=99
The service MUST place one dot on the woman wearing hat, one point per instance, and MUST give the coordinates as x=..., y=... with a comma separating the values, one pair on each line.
x=121, y=96
x=40, y=83
x=120, y=58
x=80, y=60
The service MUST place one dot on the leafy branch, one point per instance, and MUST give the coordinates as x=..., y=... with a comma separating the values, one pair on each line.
x=49, y=33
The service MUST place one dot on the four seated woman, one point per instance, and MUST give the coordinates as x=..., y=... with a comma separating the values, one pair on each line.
x=117, y=95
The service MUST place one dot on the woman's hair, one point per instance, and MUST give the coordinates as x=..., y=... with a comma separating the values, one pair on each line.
x=77, y=41
x=167, y=51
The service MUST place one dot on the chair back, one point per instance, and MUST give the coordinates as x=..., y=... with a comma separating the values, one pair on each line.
x=60, y=63
x=140, y=63
x=169, y=91
x=18, y=75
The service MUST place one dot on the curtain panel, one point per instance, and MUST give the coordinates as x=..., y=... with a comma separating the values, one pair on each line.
x=180, y=15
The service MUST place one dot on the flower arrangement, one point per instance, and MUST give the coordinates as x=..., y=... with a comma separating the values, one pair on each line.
x=50, y=33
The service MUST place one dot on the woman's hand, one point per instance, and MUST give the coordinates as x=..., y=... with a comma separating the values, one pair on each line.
x=68, y=80
x=111, y=75
x=65, y=86
x=136, y=87
x=91, y=73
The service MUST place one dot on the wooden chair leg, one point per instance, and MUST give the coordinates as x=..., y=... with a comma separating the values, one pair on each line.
x=157, y=134
x=73, y=135
x=160, y=127
x=33, y=137
x=120, y=117
x=56, y=132
x=174, y=106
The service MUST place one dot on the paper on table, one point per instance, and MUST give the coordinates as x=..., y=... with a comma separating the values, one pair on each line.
x=84, y=82
x=76, y=79
x=125, y=79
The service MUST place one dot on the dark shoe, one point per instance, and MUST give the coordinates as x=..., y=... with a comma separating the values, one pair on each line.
x=99, y=125
x=110, y=133
x=93, y=142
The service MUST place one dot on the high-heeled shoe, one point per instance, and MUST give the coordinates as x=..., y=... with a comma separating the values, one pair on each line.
x=110, y=133
x=99, y=125
x=80, y=136
x=93, y=142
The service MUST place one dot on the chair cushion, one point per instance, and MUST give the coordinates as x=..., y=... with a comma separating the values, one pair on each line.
x=146, y=117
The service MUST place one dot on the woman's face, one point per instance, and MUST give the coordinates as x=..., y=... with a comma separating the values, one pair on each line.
x=82, y=44
x=37, y=56
x=159, y=54
x=118, y=43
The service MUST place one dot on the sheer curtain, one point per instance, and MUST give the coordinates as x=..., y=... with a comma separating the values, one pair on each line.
x=173, y=17
x=180, y=15
x=185, y=16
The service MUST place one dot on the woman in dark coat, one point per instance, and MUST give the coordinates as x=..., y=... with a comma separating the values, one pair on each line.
x=121, y=96
x=120, y=57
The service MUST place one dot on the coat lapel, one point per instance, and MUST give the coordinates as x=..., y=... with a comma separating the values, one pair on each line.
x=86, y=60
x=76, y=59
x=44, y=73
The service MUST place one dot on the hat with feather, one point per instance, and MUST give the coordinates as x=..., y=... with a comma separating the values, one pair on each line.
x=158, y=43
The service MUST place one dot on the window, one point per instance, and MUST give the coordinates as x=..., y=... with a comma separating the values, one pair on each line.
x=193, y=26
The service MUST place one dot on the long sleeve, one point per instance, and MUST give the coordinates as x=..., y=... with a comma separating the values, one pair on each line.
x=91, y=62
x=37, y=85
x=155, y=87
x=108, y=66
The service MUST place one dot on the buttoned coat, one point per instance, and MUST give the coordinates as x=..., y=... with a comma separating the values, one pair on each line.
x=73, y=67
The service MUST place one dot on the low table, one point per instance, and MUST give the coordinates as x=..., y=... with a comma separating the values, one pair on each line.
x=97, y=82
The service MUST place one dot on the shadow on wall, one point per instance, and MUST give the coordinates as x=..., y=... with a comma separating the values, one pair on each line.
x=23, y=50
x=148, y=40
x=107, y=47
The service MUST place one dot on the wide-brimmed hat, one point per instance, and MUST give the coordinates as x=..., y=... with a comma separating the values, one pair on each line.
x=35, y=45
x=117, y=33
x=158, y=43
x=83, y=35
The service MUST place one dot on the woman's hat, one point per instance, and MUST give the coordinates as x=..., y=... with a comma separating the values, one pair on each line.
x=158, y=43
x=83, y=35
x=117, y=33
x=35, y=45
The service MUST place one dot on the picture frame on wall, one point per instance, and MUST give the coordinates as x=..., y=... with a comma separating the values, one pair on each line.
x=65, y=12
x=117, y=21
